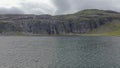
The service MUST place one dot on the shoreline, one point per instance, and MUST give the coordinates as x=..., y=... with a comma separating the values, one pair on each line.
x=60, y=35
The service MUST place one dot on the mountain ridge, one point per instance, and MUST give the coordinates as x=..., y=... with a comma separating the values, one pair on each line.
x=78, y=23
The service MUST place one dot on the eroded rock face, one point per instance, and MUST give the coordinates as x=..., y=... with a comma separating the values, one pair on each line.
x=63, y=24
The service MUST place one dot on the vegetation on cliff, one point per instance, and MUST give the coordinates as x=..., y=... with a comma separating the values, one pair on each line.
x=109, y=29
x=90, y=21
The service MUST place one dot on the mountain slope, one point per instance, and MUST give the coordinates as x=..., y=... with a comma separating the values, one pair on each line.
x=86, y=21
x=112, y=28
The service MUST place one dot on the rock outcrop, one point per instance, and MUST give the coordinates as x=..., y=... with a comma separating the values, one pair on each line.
x=81, y=22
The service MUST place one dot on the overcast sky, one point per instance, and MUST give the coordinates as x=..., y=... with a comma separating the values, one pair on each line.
x=54, y=7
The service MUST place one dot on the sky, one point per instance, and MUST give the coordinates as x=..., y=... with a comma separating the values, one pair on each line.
x=55, y=7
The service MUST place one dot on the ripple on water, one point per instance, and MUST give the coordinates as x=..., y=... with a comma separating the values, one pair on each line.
x=59, y=52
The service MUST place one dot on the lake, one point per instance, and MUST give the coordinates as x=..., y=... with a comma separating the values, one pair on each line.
x=59, y=52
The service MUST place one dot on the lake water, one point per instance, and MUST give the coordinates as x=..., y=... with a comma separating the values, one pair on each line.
x=59, y=52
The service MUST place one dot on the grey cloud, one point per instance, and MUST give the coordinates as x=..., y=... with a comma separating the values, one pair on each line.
x=37, y=8
x=61, y=6
x=71, y=6
x=12, y=10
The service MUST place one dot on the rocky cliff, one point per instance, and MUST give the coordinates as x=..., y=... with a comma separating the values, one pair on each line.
x=77, y=23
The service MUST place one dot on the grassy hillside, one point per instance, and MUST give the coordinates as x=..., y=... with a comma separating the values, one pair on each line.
x=110, y=29
x=96, y=15
x=96, y=12
x=97, y=22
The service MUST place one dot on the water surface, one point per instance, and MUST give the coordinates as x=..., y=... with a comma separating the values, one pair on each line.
x=59, y=52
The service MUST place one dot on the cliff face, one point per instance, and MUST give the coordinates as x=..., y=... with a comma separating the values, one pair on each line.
x=81, y=22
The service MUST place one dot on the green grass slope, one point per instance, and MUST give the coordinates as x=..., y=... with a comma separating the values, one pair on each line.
x=110, y=29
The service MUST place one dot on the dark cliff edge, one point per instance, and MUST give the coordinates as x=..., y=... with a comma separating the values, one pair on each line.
x=82, y=22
